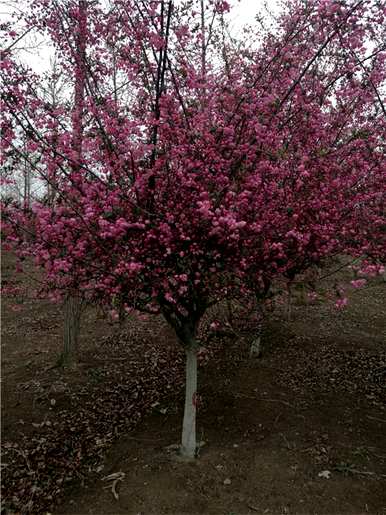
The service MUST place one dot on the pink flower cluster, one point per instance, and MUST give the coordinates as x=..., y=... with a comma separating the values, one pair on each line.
x=200, y=175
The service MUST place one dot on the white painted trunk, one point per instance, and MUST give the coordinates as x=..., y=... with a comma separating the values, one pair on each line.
x=289, y=306
x=188, y=443
x=71, y=329
x=255, y=350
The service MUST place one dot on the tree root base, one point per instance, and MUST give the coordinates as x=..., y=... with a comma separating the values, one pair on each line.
x=174, y=453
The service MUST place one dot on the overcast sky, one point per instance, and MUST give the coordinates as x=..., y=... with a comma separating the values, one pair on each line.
x=242, y=13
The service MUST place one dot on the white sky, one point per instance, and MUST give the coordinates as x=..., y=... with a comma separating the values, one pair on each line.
x=243, y=12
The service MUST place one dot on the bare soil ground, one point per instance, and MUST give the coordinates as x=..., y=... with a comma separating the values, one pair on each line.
x=300, y=431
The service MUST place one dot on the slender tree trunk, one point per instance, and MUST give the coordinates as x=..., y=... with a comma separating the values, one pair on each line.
x=186, y=330
x=203, y=41
x=72, y=304
x=289, y=302
x=71, y=329
x=188, y=443
x=230, y=312
x=27, y=183
x=256, y=349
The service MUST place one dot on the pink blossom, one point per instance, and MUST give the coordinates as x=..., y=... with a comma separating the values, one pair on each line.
x=341, y=303
x=358, y=283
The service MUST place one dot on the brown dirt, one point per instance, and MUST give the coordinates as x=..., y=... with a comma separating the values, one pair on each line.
x=315, y=402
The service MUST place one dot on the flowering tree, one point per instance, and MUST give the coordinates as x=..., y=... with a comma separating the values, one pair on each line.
x=204, y=172
x=315, y=177
x=45, y=100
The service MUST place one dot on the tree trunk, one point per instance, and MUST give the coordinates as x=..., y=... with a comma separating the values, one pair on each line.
x=256, y=345
x=72, y=304
x=289, y=303
x=188, y=443
x=71, y=329
x=230, y=312
x=256, y=350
